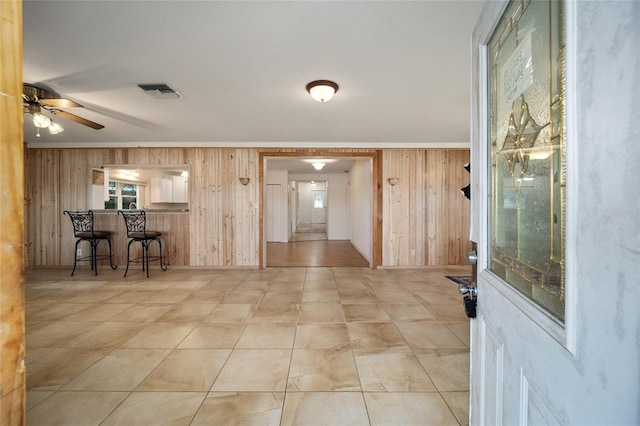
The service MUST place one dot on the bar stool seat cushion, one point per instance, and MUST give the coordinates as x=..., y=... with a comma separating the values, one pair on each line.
x=145, y=234
x=93, y=234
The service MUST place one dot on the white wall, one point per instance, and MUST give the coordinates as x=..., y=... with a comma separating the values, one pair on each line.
x=280, y=177
x=338, y=207
x=361, y=207
x=337, y=202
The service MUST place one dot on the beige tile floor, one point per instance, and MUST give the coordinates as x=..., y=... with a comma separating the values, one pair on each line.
x=280, y=346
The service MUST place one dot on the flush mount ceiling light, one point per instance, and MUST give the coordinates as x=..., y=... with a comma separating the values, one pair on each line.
x=319, y=163
x=318, y=166
x=322, y=90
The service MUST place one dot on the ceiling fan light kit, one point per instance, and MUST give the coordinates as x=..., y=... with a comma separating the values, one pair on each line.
x=322, y=90
x=55, y=128
x=40, y=121
x=37, y=99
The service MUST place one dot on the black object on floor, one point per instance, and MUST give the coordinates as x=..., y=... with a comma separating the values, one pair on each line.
x=465, y=280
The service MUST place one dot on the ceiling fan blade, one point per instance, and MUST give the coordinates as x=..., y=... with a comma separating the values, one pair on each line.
x=59, y=103
x=77, y=119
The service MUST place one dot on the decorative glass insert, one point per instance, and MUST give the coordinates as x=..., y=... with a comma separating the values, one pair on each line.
x=318, y=200
x=528, y=168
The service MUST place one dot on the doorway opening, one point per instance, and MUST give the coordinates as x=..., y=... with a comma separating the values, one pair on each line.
x=312, y=225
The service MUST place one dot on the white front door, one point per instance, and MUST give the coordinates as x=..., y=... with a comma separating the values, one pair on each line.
x=318, y=212
x=556, y=339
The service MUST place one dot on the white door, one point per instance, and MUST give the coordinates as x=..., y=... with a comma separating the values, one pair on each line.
x=273, y=214
x=556, y=339
x=319, y=206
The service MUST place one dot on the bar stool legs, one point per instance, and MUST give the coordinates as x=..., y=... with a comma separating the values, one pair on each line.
x=145, y=254
x=93, y=257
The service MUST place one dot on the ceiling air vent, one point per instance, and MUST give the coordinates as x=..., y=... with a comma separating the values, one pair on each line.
x=159, y=91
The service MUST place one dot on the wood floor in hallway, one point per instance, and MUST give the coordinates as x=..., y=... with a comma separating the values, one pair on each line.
x=314, y=253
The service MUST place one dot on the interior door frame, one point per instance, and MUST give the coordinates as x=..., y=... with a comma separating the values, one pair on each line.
x=12, y=210
x=376, y=160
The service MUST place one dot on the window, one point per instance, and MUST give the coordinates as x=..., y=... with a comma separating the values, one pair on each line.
x=122, y=196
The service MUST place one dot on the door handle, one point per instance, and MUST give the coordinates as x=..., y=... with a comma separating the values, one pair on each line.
x=471, y=290
x=470, y=299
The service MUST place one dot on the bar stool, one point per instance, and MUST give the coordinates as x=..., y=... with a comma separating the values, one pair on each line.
x=136, y=223
x=82, y=222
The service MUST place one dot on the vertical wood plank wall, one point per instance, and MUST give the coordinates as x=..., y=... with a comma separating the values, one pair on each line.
x=219, y=230
x=426, y=218
x=424, y=212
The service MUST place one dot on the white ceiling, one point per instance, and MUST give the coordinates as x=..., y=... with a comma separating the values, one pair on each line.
x=242, y=67
x=303, y=165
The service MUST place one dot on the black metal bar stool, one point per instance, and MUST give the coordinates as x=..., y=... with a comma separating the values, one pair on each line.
x=82, y=222
x=136, y=223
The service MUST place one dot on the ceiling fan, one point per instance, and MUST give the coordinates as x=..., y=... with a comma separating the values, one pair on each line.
x=37, y=99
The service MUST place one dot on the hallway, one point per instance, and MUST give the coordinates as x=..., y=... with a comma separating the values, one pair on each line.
x=280, y=346
x=308, y=246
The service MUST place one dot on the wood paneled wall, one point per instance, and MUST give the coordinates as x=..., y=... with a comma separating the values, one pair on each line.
x=220, y=229
x=424, y=212
x=426, y=218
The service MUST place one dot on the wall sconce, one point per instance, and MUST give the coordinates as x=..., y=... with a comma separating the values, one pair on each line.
x=244, y=180
x=393, y=181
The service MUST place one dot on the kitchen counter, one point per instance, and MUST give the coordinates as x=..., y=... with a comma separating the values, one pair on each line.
x=147, y=211
x=172, y=223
